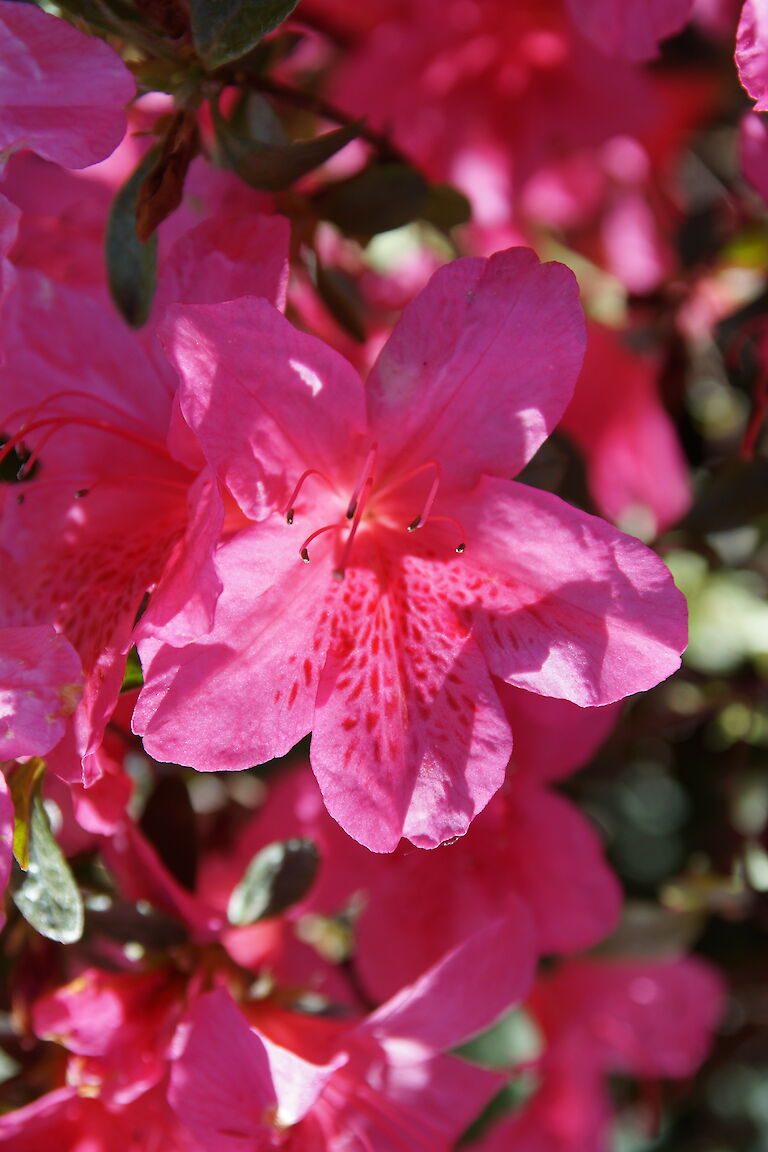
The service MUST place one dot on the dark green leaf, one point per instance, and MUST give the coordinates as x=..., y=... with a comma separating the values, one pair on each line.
x=272, y=167
x=446, y=207
x=49, y=899
x=379, y=198
x=169, y=824
x=340, y=294
x=277, y=877
x=737, y=495
x=225, y=30
x=131, y=264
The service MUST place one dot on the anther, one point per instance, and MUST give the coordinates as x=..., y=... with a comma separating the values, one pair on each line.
x=290, y=510
x=81, y=492
x=304, y=550
x=20, y=498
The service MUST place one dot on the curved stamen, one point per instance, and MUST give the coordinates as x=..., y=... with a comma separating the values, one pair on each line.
x=461, y=547
x=338, y=573
x=290, y=510
x=424, y=514
x=33, y=410
x=55, y=423
x=365, y=475
x=303, y=550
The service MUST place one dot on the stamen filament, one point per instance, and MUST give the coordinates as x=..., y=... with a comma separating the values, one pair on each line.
x=400, y=480
x=33, y=410
x=303, y=550
x=289, y=512
x=338, y=573
x=365, y=475
x=461, y=547
x=424, y=514
x=54, y=423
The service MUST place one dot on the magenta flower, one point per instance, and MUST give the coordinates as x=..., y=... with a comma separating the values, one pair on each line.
x=392, y=569
x=751, y=52
x=314, y=1085
x=112, y=505
x=62, y=93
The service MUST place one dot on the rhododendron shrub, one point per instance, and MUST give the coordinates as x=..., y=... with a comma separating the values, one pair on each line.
x=365, y=377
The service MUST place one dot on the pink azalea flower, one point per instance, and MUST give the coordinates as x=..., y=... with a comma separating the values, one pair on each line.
x=40, y=686
x=636, y=471
x=62, y=93
x=600, y=1018
x=382, y=1083
x=402, y=569
x=109, y=510
x=529, y=856
x=753, y=152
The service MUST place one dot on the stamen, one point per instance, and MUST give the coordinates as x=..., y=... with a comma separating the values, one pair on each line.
x=290, y=510
x=460, y=548
x=303, y=551
x=365, y=475
x=338, y=573
x=400, y=480
x=424, y=514
x=55, y=423
x=32, y=411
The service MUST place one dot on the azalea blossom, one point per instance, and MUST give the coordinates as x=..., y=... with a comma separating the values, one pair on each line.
x=391, y=569
x=110, y=502
x=383, y=1082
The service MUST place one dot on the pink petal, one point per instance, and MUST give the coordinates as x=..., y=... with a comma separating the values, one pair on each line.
x=752, y=51
x=40, y=685
x=409, y=738
x=553, y=737
x=226, y=257
x=528, y=846
x=479, y=368
x=635, y=464
x=265, y=400
x=463, y=994
x=222, y=1082
x=647, y=1019
x=257, y=666
x=561, y=602
x=629, y=28
x=62, y=93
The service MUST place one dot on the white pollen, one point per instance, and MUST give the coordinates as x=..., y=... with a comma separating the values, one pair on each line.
x=310, y=378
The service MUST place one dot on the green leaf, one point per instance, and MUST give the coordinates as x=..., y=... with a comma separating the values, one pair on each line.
x=225, y=30
x=446, y=207
x=277, y=877
x=273, y=167
x=133, y=677
x=381, y=197
x=341, y=296
x=49, y=899
x=131, y=264
x=22, y=786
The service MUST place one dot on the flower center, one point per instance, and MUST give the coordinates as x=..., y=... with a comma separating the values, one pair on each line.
x=360, y=498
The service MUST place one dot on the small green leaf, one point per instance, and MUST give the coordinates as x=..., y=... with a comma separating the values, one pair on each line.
x=277, y=877
x=133, y=677
x=49, y=899
x=22, y=786
x=225, y=30
x=381, y=197
x=342, y=298
x=131, y=265
x=273, y=167
x=446, y=207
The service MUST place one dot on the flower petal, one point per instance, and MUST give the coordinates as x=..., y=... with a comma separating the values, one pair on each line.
x=266, y=401
x=561, y=602
x=409, y=738
x=479, y=368
x=62, y=93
